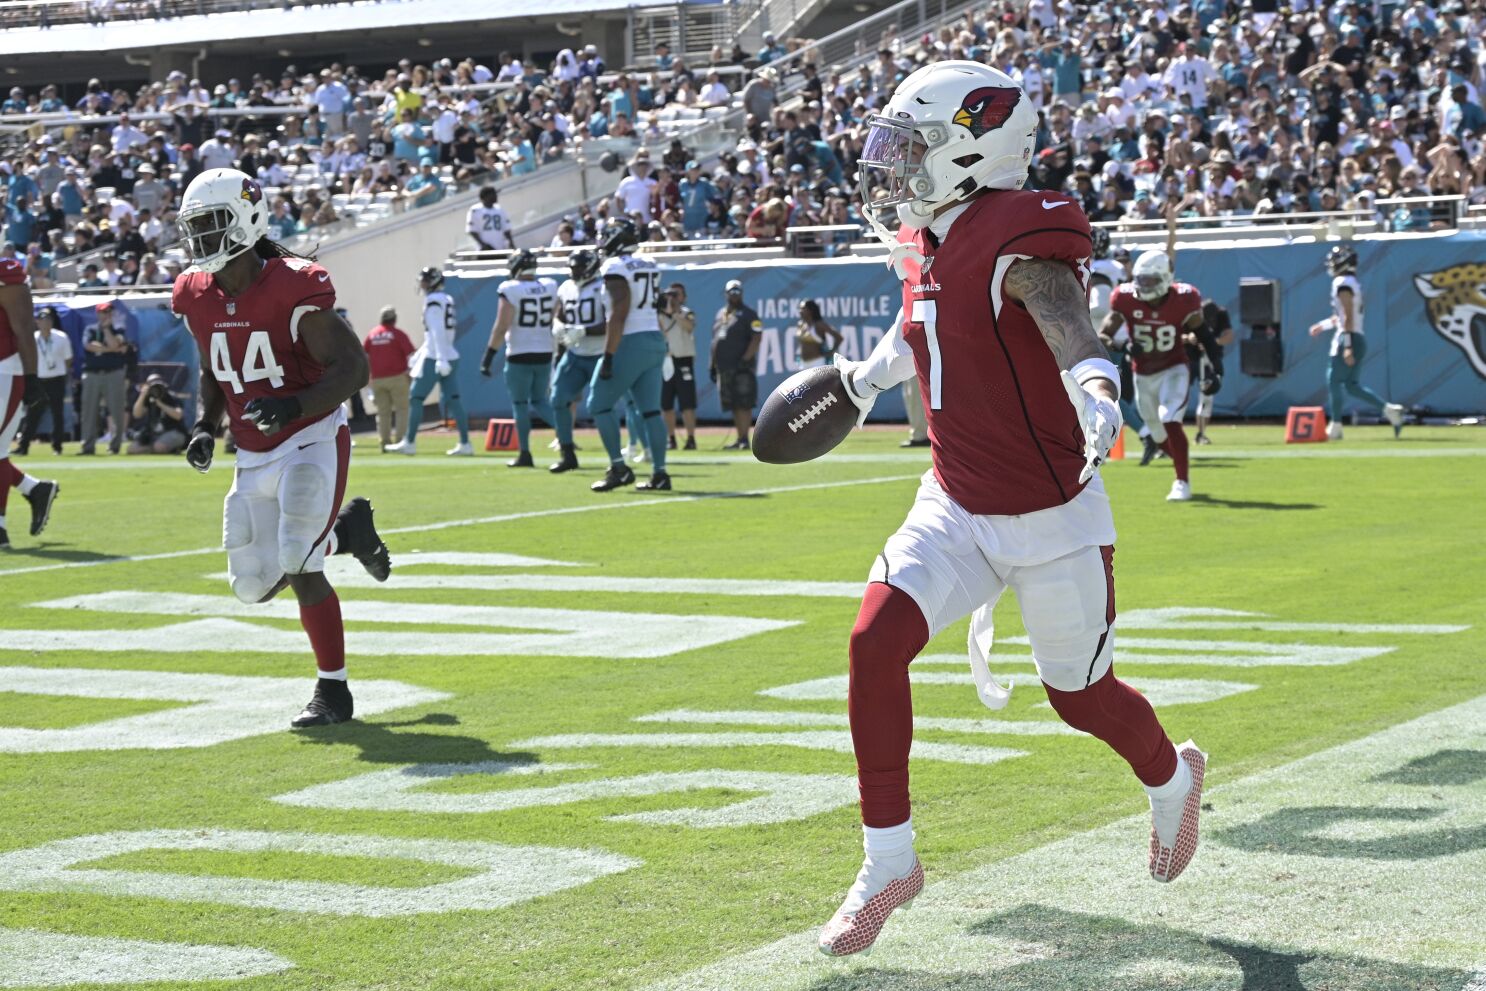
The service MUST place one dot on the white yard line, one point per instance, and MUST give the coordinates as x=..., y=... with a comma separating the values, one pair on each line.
x=502, y=518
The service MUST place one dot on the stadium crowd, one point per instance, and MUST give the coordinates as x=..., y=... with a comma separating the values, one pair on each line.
x=336, y=135
x=1215, y=109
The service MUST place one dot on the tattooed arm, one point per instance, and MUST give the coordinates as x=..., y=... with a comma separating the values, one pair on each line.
x=1052, y=294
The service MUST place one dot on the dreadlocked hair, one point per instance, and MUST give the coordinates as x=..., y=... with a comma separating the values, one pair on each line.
x=268, y=249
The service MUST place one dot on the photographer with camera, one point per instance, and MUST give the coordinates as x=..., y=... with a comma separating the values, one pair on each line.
x=160, y=420
x=679, y=389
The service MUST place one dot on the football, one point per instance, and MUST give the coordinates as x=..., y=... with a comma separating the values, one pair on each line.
x=805, y=417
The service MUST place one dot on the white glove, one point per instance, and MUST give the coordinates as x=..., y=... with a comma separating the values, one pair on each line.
x=443, y=368
x=1101, y=422
x=570, y=336
x=863, y=397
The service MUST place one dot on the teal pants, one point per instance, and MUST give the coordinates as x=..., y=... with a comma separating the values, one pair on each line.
x=423, y=385
x=528, y=386
x=637, y=366
x=1342, y=381
x=573, y=374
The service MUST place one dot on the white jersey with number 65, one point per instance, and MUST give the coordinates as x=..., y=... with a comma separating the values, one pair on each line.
x=534, y=302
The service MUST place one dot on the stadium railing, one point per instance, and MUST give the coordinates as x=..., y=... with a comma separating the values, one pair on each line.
x=859, y=42
x=51, y=13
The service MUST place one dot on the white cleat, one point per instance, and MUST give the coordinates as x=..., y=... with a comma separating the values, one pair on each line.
x=556, y=445
x=1334, y=430
x=461, y=451
x=639, y=457
x=1393, y=413
x=1180, y=492
x=1174, y=820
x=401, y=447
x=875, y=896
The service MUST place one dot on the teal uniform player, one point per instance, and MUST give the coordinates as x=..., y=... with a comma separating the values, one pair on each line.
x=523, y=324
x=1348, y=345
x=634, y=351
x=582, y=313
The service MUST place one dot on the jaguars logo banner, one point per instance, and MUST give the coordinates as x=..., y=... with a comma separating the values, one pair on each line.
x=1456, y=308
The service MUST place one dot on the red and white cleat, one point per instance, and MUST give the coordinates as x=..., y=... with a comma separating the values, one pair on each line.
x=875, y=896
x=1174, y=821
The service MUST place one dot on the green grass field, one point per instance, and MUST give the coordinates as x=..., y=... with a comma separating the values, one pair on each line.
x=602, y=740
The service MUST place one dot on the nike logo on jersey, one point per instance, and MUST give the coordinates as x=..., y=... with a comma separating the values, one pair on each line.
x=1053, y=206
x=326, y=277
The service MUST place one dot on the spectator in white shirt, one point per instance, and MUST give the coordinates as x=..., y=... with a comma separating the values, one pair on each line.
x=633, y=195
x=1190, y=75
x=1117, y=110
x=1138, y=84
x=445, y=123
x=125, y=135
x=332, y=97
x=53, y=359
x=714, y=93
x=218, y=152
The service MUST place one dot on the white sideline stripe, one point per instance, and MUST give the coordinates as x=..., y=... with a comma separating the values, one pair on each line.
x=505, y=874
x=605, y=583
x=812, y=740
x=30, y=958
x=1180, y=618
x=1159, y=691
x=751, y=717
x=1420, y=912
x=779, y=797
x=1244, y=653
x=224, y=707
x=504, y=518
x=1477, y=981
x=457, y=559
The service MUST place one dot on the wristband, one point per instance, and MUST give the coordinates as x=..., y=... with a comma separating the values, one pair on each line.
x=1096, y=368
x=489, y=358
x=203, y=426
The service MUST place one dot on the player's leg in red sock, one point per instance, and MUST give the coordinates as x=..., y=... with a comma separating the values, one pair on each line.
x=10, y=476
x=889, y=632
x=1176, y=447
x=320, y=614
x=1120, y=716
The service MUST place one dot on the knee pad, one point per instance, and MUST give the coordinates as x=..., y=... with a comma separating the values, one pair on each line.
x=1068, y=609
x=249, y=573
x=304, y=513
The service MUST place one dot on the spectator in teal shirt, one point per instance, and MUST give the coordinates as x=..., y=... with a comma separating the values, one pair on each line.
x=407, y=138
x=1066, y=67
x=20, y=222
x=619, y=101
x=426, y=187
x=281, y=223
x=696, y=192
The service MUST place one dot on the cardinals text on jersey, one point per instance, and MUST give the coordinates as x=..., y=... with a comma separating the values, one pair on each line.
x=644, y=290
x=534, y=303
x=1157, y=328
x=252, y=343
x=1006, y=441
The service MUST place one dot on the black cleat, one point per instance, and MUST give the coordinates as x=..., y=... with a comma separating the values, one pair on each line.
x=737, y=445
x=568, y=463
x=616, y=477
x=522, y=460
x=330, y=704
x=1150, y=452
x=659, y=482
x=4, y=540
x=690, y=445
x=356, y=534
x=671, y=443
x=41, y=498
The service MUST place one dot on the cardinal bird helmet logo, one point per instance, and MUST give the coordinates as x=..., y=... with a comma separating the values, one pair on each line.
x=252, y=192
x=987, y=108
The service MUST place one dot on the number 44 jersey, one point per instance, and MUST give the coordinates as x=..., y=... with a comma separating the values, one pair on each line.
x=251, y=345
x=1156, y=329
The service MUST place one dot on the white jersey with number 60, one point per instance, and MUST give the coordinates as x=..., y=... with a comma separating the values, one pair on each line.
x=582, y=314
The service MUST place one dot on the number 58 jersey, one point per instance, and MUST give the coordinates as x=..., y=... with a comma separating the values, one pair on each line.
x=251, y=345
x=1156, y=329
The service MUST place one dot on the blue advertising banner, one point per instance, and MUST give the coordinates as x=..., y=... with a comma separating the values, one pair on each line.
x=1425, y=320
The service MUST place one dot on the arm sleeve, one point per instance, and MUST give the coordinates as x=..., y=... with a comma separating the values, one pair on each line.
x=469, y=221
x=890, y=363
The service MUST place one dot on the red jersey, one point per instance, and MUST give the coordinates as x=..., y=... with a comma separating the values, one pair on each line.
x=251, y=342
x=1156, y=329
x=1005, y=438
x=12, y=273
x=387, y=351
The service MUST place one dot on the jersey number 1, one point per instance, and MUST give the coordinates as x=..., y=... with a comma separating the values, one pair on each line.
x=258, y=361
x=926, y=312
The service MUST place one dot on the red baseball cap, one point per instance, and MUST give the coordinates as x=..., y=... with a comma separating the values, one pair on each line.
x=107, y=304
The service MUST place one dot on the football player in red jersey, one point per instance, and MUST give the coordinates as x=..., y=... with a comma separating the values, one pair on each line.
x=20, y=394
x=278, y=361
x=1160, y=314
x=1021, y=401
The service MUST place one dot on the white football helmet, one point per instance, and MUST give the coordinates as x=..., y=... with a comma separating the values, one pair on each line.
x=222, y=215
x=951, y=128
x=1152, y=274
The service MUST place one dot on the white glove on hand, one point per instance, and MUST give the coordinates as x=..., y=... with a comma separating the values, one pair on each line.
x=863, y=397
x=1101, y=422
x=443, y=368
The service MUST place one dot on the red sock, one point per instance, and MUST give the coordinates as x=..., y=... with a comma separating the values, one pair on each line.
x=1122, y=718
x=9, y=475
x=322, y=621
x=1176, y=447
x=889, y=632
